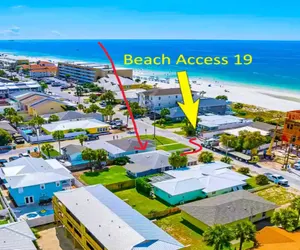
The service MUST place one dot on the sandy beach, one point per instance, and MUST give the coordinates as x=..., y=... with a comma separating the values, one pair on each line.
x=269, y=98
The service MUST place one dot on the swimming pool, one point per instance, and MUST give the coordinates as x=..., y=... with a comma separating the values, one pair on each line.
x=32, y=215
x=27, y=131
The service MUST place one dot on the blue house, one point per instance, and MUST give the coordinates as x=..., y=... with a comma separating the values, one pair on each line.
x=34, y=180
x=72, y=153
x=122, y=147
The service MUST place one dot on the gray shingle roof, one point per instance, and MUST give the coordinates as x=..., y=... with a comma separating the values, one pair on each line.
x=74, y=115
x=227, y=208
x=263, y=126
x=129, y=144
x=73, y=149
x=7, y=127
x=16, y=236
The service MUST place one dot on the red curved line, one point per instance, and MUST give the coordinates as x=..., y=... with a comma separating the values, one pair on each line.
x=192, y=141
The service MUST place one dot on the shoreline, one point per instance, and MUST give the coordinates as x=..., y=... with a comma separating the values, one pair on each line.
x=266, y=97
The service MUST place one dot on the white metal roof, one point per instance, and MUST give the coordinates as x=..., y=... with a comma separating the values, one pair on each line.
x=236, y=131
x=218, y=120
x=112, y=221
x=16, y=236
x=26, y=171
x=206, y=177
x=66, y=125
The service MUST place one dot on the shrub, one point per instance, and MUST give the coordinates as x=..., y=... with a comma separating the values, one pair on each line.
x=142, y=186
x=78, y=129
x=206, y=157
x=121, y=160
x=259, y=119
x=261, y=180
x=70, y=130
x=244, y=170
x=226, y=159
x=238, y=105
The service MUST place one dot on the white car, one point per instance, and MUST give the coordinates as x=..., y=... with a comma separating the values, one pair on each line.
x=276, y=178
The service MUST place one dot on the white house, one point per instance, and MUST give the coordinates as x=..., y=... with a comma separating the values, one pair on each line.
x=156, y=99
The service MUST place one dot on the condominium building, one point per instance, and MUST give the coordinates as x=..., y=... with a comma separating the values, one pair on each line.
x=40, y=69
x=97, y=219
x=88, y=72
x=291, y=130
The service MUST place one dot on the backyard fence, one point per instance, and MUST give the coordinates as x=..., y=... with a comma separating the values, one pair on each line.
x=161, y=214
x=114, y=187
x=40, y=221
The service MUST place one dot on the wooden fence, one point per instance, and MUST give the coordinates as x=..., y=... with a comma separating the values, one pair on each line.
x=114, y=187
x=161, y=214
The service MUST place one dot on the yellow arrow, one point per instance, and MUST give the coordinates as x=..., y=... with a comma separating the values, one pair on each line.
x=189, y=107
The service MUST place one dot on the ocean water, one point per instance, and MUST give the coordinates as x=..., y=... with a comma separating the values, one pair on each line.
x=276, y=64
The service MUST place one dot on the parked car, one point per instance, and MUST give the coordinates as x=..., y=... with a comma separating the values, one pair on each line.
x=276, y=178
x=12, y=158
x=123, y=107
x=297, y=165
x=2, y=161
x=24, y=155
x=92, y=137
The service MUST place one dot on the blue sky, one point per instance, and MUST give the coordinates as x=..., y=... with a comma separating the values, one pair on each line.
x=154, y=19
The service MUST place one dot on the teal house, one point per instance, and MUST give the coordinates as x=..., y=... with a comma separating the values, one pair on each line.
x=197, y=182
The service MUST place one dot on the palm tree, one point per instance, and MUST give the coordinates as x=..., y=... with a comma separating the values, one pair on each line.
x=109, y=112
x=218, y=236
x=81, y=138
x=47, y=148
x=58, y=136
x=245, y=231
x=89, y=155
x=127, y=115
x=16, y=119
x=296, y=206
x=108, y=97
x=37, y=122
x=100, y=156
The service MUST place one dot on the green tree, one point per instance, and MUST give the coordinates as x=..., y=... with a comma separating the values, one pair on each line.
x=67, y=76
x=244, y=170
x=261, y=180
x=80, y=106
x=229, y=140
x=218, y=236
x=47, y=148
x=89, y=155
x=226, y=159
x=222, y=97
x=286, y=218
x=81, y=138
x=206, y=157
x=164, y=112
x=16, y=119
x=244, y=231
x=2, y=73
x=176, y=160
x=259, y=119
x=108, y=97
x=127, y=116
x=238, y=105
x=108, y=111
x=296, y=206
x=79, y=90
x=53, y=118
x=252, y=141
x=93, y=108
x=100, y=156
x=137, y=80
x=93, y=98
x=58, y=136
x=9, y=113
x=44, y=86
x=5, y=137
x=37, y=122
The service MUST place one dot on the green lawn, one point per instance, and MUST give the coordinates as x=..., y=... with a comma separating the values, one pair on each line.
x=2, y=222
x=171, y=125
x=53, y=153
x=112, y=175
x=179, y=132
x=252, y=183
x=186, y=234
x=171, y=147
x=159, y=140
x=141, y=203
x=277, y=194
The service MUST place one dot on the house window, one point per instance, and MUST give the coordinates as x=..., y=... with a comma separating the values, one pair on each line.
x=57, y=184
x=29, y=200
x=42, y=186
x=176, y=96
x=20, y=190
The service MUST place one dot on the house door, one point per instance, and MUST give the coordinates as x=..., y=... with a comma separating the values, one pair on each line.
x=29, y=200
